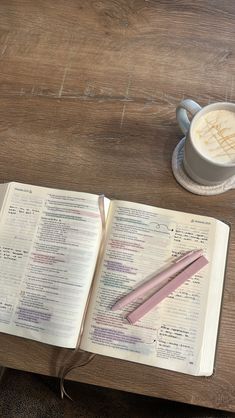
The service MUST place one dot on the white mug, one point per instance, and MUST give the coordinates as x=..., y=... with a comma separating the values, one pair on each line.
x=199, y=167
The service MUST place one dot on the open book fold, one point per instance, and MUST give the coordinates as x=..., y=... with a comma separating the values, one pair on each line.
x=49, y=246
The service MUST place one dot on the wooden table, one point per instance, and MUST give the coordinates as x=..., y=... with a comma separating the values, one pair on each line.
x=88, y=95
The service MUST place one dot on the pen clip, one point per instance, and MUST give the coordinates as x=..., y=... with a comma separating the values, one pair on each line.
x=188, y=254
x=183, y=256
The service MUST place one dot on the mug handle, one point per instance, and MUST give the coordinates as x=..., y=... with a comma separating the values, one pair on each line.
x=185, y=106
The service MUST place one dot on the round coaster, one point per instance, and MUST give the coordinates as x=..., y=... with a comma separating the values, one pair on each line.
x=189, y=184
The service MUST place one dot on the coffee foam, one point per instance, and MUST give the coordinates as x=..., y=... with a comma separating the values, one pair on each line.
x=214, y=136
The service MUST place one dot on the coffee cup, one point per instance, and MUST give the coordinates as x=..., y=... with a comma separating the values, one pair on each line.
x=209, y=151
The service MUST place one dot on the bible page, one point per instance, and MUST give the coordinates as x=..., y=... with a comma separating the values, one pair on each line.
x=49, y=241
x=3, y=192
x=141, y=240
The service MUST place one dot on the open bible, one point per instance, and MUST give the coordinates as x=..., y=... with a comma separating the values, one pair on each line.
x=58, y=287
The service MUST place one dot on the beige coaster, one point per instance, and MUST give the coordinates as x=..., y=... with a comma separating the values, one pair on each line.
x=191, y=185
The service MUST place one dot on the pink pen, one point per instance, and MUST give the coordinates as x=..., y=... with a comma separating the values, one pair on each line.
x=161, y=294
x=178, y=265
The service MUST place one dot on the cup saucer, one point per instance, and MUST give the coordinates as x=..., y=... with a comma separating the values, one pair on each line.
x=189, y=184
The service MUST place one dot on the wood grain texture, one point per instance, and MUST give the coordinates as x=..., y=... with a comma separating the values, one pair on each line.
x=88, y=95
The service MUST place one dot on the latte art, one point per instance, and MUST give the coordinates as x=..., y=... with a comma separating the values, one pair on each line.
x=214, y=136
